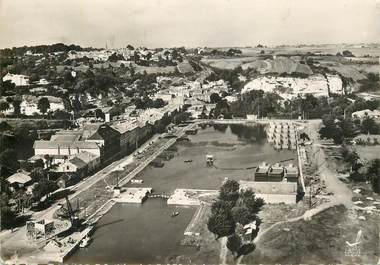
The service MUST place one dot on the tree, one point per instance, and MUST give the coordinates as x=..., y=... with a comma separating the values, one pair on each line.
x=229, y=191
x=8, y=162
x=234, y=243
x=4, y=127
x=4, y=105
x=214, y=98
x=246, y=249
x=221, y=225
x=38, y=174
x=253, y=204
x=347, y=53
x=374, y=174
x=7, y=216
x=43, y=105
x=221, y=207
x=369, y=126
x=44, y=187
x=242, y=215
x=16, y=103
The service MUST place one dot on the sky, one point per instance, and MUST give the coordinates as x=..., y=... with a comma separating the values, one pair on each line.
x=190, y=23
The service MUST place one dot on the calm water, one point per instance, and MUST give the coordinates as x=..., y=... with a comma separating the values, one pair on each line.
x=138, y=233
x=147, y=233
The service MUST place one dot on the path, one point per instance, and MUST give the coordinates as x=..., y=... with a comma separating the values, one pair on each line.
x=223, y=250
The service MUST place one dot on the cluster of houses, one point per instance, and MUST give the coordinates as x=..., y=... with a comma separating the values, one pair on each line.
x=282, y=135
x=71, y=155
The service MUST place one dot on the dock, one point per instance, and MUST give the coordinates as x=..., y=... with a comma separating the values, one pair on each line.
x=133, y=195
x=191, y=197
x=58, y=251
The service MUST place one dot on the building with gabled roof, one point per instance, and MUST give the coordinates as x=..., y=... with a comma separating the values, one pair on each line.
x=19, y=180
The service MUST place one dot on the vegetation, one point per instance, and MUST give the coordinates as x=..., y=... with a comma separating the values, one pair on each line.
x=374, y=174
x=232, y=210
x=43, y=105
x=371, y=84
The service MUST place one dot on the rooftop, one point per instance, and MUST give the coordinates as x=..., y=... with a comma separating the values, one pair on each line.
x=19, y=177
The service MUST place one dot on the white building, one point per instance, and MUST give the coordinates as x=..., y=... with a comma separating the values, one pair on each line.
x=18, y=80
x=375, y=114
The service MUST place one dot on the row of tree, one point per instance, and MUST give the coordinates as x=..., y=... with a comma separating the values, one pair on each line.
x=341, y=129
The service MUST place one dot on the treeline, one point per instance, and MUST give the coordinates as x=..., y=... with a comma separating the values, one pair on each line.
x=271, y=105
x=57, y=47
x=360, y=172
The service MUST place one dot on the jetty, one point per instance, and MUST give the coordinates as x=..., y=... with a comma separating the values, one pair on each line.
x=132, y=195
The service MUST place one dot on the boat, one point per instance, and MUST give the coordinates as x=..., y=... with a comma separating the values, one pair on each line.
x=137, y=181
x=174, y=214
x=188, y=161
x=85, y=242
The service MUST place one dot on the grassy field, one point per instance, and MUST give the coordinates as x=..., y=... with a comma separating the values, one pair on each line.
x=228, y=63
x=320, y=240
x=278, y=65
x=368, y=152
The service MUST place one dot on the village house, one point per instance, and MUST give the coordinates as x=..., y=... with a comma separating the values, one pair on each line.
x=375, y=114
x=74, y=166
x=19, y=180
x=18, y=80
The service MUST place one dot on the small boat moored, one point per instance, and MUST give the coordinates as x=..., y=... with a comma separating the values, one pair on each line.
x=174, y=214
x=85, y=242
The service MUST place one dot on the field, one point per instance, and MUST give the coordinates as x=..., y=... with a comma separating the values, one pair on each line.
x=277, y=65
x=357, y=50
x=228, y=63
x=154, y=69
x=319, y=240
x=368, y=152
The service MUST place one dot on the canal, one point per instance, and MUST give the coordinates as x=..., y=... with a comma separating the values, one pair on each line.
x=147, y=233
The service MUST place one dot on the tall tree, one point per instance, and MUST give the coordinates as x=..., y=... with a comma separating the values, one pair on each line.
x=234, y=243
x=221, y=225
x=43, y=105
x=374, y=174
x=229, y=191
x=4, y=105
